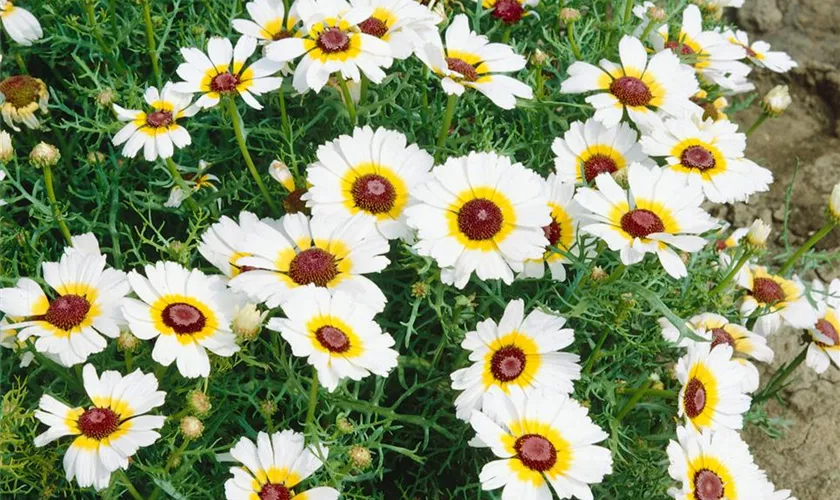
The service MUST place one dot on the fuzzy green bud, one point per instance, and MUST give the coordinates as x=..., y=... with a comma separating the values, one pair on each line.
x=44, y=155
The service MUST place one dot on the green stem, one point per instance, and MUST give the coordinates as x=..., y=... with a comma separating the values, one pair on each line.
x=590, y=361
x=150, y=40
x=726, y=279
x=779, y=378
x=632, y=402
x=813, y=240
x=506, y=34
x=130, y=487
x=348, y=99
x=617, y=273
x=570, y=32
x=48, y=181
x=287, y=127
x=418, y=420
x=313, y=403
x=646, y=32
x=239, y=131
x=659, y=393
x=364, y=91
x=176, y=176
x=94, y=30
x=540, y=92
x=757, y=124
x=628, y=11
x=451, y=102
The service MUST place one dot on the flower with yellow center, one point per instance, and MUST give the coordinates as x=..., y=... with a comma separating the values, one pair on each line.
x=222, y=244
x=760, y=54
x=775, y=300
x=19, y=23
x=825, y=341
x=21, y=97
x=405, y=25
x=266, y=23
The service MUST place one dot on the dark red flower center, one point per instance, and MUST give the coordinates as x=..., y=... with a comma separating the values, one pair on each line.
x=507, y=363
x=827, y=329
x=466, y=69
x=721, y=336
x=631, y=91
x=480, y=219
x=67, y=312
x=159, y=119
x=98, y=423
x=333, y=40
x=767, y=291
x=272, y=491
x=535, y=452
x=697, y=157
x=694, y=398
x=313, y=265
x=552, y=232
x=676, y=46
x=224, y=82
x=750, y=51
x=373, y=193
x=639, y=223
x=707, y=485
x=508, y=11
x=720, y=245
x=373, y=27
x=598, y=164
x=184, y=319
x=333, y=339
x=21, y=90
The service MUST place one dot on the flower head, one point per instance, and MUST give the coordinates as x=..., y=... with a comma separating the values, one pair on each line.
x=247, y=321
x=404, y=24
x=280, y=172
x=756, y=238
x=7, y=150
x=222, y=244
x=266, y=23
x=776, y=300
x=108, y=432
x=19, y=23
x=777, y=100
x=44, y=155
x=760, y=54
x=825, y=332
x=21, y=96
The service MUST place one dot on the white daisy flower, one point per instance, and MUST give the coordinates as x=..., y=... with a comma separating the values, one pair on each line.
x=760, y=54
x=638, y=85
x=266, y=23
x=336, y=334
x=561, y=232
x=19, y=23
x=21, y=97
x=86, y=306
x=222, y=244
x=334, y=254
x=187, y=311
x=483, y=214
x=110, y=431
x=545, y=438
x=708, y=154
x=470, y=60
x=713, y=465
x=520, y=354
x=157, y=132
x=273, y=466
x=333, y=41
x=718, y=330
x=372, y=172
x=825, y=341
x=658, y=212
x=405, y=25
x=712, y=394
x=776, y=299
x=509, y=11
x=589, y=149
x=222, y=72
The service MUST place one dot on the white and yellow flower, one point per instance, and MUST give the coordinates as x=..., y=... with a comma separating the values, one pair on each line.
x=509, y=11
x=708, y=154
x=480, y=213
x=589, y=149
x=21, y=97
x=334, y=254
x=337, y=335
x=222, y=71
x=19, y=23
x=776, y=300
x=332, y=42
x=658, y=212
x=371, y=172
x=760, y=54
x=825, y=342
x=266, y=23
x=520, y=354
x=156, y=132
x=544, y=438
x=712, y=395
x=713, y=465
x=637, y=85
x=223, y=243
x=187, y=312
x=470, y=60
x=274, y=466
x=405, y=25
x=110, y=431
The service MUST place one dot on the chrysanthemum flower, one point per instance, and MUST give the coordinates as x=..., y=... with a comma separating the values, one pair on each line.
x=480, y=213
x=405, y=25
x=825, y=332
x=708, y=154
x=157, y=132
x=509, y=11
x=334, y=254
x=589, y=149
x=187, y=311
x=21, y=96
x=110, y=431
x=266, y=23
x=222, y=243
x=713, y=465
x=638, y=85
x=273, y=466
x=544, y=438
x=19, y=23
x=776, y=299
x=85, y=307
x=658, y=212
x=337, y=335
x=333, y=41
x=760, y=54
x=520, y=354
x=719, y=330
x=470, y=60
x=372, y=172
x=561, y=233
x=712, y=394
x=222, y=72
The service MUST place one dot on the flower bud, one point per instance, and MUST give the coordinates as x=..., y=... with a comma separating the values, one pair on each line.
x=569, y=15
x=656, y=14
x=176, y=197
x=106, y=97
x=95, y=158
x=279, y=171
x=191, y=427
x=360, y=457
x=598, y=273
x=268, y=408
x=345, y=426
x=756, y=238
x=7, y=151
x=777, y=100
x=199, y=403
x=620, y=177
x=127, y=342
x=419, y=290
x=539, y=58
x=44, y=155
x=834, y=205
x=247, y=321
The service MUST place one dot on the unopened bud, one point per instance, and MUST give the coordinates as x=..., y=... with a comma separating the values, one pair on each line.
x=199, y=403
x=127, y=342
x=344, y=425
x=44, y=155
x=834, y=205
x=191, y=427
x=419, y=290
x=106, y=97
x=656, y=14
x=7, y=151
x=620, y=177
x=756, y=238
x=247, y=321
x=569, y=15
x=279, y=171
x=777, y=100
x=95, y=157
x=360, y=457
x=539, y=58
x=598, y=273
x=268, y=408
